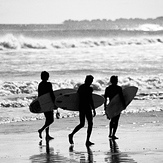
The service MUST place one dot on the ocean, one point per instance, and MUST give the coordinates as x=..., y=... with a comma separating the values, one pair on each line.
x=136, y=56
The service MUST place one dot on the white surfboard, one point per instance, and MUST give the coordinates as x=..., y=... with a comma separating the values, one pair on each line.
x=115, y=106
x=44, y=103
x=71, y=101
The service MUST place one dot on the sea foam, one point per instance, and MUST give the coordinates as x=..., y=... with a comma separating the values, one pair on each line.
x=20, y=94
x=16, y=96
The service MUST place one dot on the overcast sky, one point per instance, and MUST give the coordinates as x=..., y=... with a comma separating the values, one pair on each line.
x=56, y=11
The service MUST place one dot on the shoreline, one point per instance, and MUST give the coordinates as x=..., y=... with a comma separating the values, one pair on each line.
x=140, y=140
x=20, y=114
x=126, y=119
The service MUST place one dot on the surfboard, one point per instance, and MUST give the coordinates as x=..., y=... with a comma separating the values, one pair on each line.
x=115, y=106
x=71, y=101
x=44, y=103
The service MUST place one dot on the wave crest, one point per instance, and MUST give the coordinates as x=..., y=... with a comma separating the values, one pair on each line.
x=11, y=42
x=20, y=94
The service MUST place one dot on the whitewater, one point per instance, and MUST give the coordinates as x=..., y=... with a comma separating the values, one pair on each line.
x=135, y=56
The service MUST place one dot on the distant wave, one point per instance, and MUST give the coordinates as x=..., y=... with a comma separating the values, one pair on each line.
x=146, y=27
x=11, y=42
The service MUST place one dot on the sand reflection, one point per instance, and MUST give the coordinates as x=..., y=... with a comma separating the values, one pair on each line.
x=115, y=155
x=47, y=155
x=82, y=157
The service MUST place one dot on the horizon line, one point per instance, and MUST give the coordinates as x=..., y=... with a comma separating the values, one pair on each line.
x=81, y=21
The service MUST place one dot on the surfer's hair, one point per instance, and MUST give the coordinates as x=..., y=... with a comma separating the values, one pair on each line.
x=89, y=78
x=44, y=75
x=114, y=79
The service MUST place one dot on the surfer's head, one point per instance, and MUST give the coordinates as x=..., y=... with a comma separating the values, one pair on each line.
x=44, y=75
x=114, y=79
x=89, y=79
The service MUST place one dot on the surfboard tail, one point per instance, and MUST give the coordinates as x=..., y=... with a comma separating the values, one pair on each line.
x=35, y=107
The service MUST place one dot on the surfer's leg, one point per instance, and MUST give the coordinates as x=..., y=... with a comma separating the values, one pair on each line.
x=89, y=130
x=48, y=137
x=115, y=126
x=43, y=127
x=111, y=128
x=81, y=124
x=49, y=119
x=78, y=127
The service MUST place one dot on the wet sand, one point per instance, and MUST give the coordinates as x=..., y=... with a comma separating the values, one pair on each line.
x=140, y=140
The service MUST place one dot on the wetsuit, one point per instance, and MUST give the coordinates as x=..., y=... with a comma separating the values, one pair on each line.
x=85, y=104
x=43, y=88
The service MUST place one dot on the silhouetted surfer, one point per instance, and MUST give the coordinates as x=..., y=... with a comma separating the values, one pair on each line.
x=43, y=88
x=86, y=106
x=110, y=92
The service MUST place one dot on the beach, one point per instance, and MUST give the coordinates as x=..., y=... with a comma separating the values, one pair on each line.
x=140, y=140
x=134, y=56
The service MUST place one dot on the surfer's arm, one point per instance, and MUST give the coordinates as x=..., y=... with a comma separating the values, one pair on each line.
x=93, y=108
x=39, y=90
x=92, y=105
x=51, y=93
x=105, y=101
x=105, y=104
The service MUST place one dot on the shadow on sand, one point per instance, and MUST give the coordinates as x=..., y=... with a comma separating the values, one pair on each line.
x=115, y=155
x=49, y=156
x=83, y=157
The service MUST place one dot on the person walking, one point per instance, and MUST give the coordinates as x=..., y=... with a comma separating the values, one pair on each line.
x=86, y=106
x=110, y=92
x=43, y=88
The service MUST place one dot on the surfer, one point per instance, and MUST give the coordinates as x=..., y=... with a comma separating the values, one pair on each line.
x=110, y=92
x=86, y=106
x=43, y=88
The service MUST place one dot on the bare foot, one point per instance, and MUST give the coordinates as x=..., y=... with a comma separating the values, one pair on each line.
x=88, y=143
x=70, y=139
x=114, y=137
x=49, y=138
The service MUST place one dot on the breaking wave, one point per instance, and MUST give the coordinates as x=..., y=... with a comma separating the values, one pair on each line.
x=11, y=42
x=20, y=94
x=16, y=96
